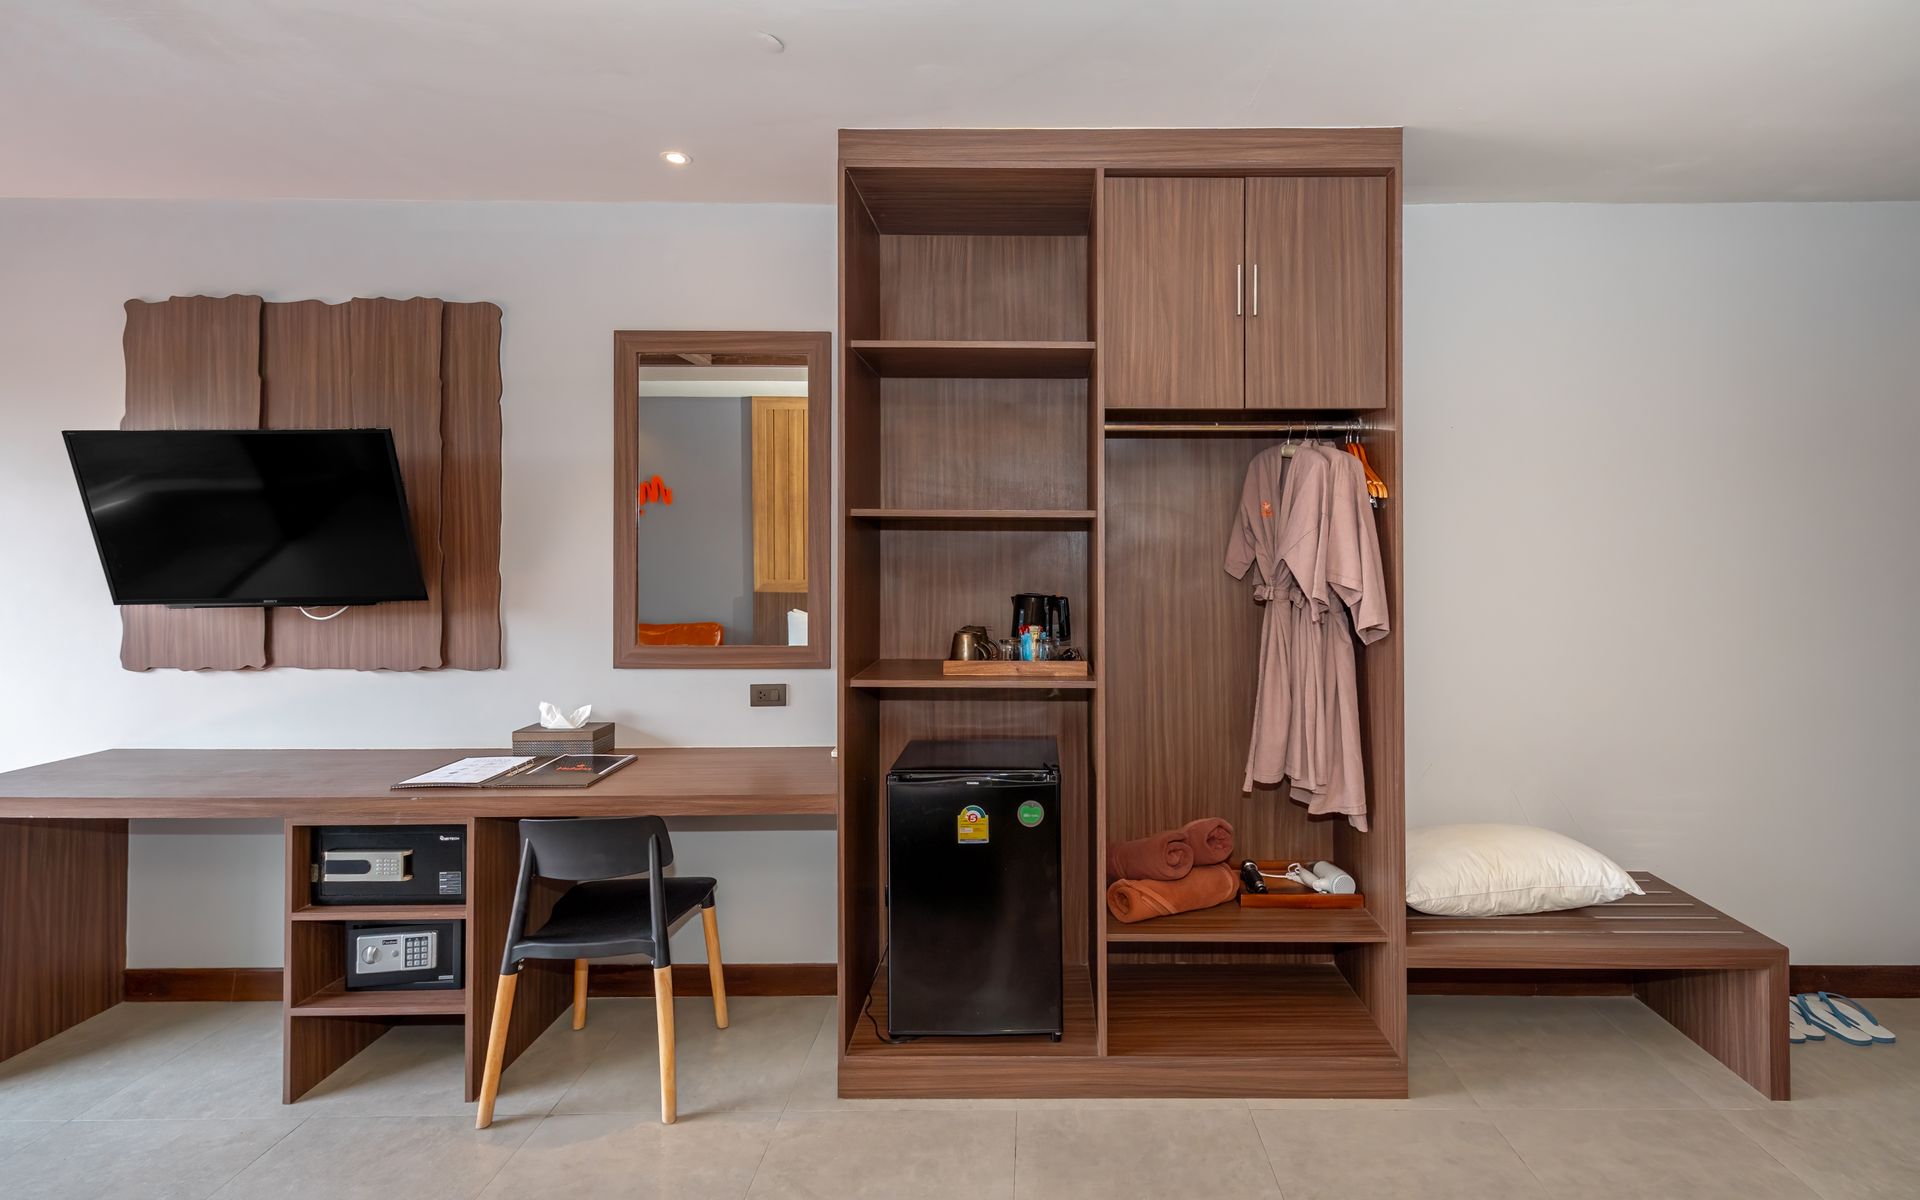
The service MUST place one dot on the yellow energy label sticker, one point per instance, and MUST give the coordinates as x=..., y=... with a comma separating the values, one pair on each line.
x=972, y=824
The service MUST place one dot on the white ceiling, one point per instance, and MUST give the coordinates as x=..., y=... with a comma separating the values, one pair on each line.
x=573, y=99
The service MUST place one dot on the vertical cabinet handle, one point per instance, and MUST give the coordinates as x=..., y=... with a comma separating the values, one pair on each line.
x=1256, y=289
x=1239, y=289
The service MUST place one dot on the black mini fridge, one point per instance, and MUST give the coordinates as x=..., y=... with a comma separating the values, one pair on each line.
x=973, y=889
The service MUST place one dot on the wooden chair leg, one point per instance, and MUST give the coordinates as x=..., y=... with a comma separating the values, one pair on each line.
x=496, y=1048
x=663, y=1004
x=711, y=920
x=579, y=993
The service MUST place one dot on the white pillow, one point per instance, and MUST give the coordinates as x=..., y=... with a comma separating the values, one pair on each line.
x=1506, y=870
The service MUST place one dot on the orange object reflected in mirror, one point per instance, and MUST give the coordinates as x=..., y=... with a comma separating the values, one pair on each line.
x=680, y=633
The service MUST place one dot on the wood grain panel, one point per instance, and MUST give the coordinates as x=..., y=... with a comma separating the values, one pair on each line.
x=1182, y=658
x=983, y=443
x=224, y=984
x=1739, y=1017
x=1246, y=1011
x=470, y=510
x=933, y=582
x=63, y=925
x=1317, y=322
x=984, y=288
x=1170, y=250
x=313, y=1048
x=779, y=482
x=691, y=979
x=770, y=615
x=341, y=785
x=193, y=362
x=935, y=199
x=1181, y=151
x=1065, y=720
x=306, y=383
x=395, y=373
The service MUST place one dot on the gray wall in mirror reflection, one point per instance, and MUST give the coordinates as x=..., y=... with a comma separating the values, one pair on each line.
x=696, y=555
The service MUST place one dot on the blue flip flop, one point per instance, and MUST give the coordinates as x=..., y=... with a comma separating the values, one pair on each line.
x=1855, y=1014
x=1822, y=1015
x=1827, y=1020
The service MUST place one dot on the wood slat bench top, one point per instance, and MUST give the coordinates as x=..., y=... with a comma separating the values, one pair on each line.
x=1666, y=929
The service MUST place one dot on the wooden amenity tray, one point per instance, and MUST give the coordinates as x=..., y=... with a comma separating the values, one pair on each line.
x=1722, y=983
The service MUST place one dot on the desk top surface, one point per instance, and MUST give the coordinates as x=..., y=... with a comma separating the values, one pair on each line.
x=337, y=784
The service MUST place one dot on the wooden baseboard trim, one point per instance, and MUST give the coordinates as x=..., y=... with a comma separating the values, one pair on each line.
x=161, y=984
x=690, y=979
x=1895, y=980
x=203, y=983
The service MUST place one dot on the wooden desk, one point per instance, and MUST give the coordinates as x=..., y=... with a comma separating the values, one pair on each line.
x=63, y=873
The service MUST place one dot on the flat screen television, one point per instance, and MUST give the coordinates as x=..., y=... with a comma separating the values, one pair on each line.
x=248, y=517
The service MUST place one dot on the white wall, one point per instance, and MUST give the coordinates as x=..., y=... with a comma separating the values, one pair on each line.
x=567, y=276
x=1661, y=526
x=1663, y=551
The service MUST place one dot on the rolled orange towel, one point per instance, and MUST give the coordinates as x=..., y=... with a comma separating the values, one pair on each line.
x=1161, y=856
x=1131, y=900
x=1211, y=839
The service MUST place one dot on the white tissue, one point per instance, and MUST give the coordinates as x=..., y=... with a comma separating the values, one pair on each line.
x=552, y=718
x=796, y=627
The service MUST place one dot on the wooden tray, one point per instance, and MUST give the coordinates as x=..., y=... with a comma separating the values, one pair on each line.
x=1000, y=668
x=1285, y=893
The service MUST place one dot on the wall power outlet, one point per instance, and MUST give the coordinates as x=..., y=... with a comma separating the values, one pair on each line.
x=767, y=695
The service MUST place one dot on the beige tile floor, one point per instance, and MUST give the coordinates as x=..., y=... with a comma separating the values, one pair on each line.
x=1511, y=1098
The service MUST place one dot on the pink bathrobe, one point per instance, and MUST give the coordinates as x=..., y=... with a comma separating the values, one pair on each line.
x=1307, y=524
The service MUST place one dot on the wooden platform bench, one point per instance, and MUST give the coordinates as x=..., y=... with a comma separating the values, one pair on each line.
x=1720, y=982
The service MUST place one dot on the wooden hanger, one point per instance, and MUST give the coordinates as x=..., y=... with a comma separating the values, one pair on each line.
x=1376, y=487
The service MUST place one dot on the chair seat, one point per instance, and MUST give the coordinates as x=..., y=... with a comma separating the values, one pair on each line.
x=610, y=917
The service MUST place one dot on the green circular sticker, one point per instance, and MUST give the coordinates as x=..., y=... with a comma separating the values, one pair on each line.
x=1030, y=813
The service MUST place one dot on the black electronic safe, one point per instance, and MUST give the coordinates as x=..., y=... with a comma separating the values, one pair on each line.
x=389, y=956
x=389, y=864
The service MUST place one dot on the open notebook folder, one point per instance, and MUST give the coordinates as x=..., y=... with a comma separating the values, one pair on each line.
x=520, y=770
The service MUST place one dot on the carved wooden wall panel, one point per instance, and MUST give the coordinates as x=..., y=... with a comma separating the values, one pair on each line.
x=425, y=369
x=193, y=362
x=470, y=486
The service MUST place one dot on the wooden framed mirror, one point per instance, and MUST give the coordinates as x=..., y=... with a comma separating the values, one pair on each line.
x=721, y=457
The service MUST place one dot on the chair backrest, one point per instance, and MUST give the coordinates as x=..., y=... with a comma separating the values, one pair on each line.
x=586, y=848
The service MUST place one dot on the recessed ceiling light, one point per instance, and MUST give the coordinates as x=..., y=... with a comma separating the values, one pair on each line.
x=678, y=158
x=770, y=43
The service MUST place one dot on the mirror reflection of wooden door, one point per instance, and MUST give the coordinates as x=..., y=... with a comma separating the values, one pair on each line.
x=779, y=513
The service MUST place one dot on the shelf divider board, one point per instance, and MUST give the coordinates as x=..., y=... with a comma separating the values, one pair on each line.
x=978, y=518
x=380, y=912
x=335, y=1001
x=935, y=359
x=1230, y=923
x=925, y=673
x=1253, y=1011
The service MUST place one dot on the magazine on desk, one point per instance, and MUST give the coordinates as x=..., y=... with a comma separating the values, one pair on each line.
x=520, y=770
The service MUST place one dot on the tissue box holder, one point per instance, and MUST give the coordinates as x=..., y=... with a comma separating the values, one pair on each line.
x=595, y=737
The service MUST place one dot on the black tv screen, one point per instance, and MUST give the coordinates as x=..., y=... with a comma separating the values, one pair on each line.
x=248, y=517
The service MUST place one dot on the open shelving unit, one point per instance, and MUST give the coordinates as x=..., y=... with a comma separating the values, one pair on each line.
x=324, y=1025
x=976, y=461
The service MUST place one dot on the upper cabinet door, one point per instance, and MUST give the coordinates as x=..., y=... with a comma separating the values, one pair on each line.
x=1317, y=292
x=1172, y=292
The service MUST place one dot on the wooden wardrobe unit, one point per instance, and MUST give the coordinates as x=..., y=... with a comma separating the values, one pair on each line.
x=1054, y=373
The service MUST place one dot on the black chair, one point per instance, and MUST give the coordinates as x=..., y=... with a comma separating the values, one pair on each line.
x=604, y=914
